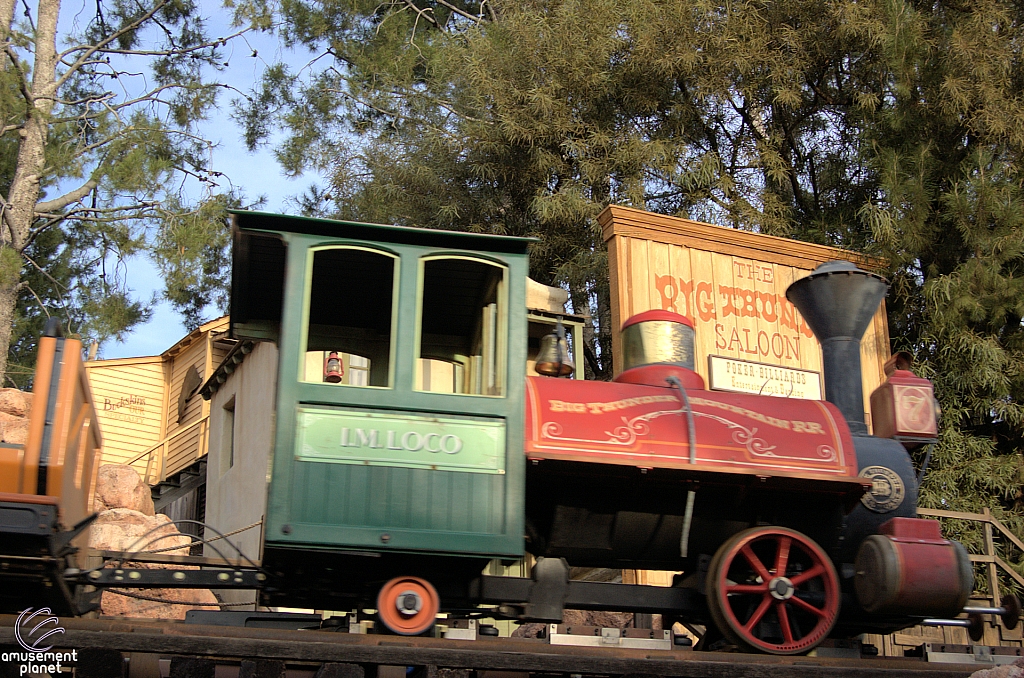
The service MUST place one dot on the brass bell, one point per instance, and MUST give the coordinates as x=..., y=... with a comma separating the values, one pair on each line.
x=553, y=358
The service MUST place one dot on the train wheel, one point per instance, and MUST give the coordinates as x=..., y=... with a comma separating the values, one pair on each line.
x=774, y=590
x=408, y=606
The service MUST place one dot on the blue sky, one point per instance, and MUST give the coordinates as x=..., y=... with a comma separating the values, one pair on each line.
x=254, y=174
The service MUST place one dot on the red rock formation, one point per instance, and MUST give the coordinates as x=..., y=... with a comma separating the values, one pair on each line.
x=126, y=522
x=120, y=486
x=15, y=407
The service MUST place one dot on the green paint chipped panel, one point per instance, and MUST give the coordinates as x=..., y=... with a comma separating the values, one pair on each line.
x=391, y=498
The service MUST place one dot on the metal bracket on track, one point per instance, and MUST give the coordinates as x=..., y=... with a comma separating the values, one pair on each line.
x=593, y=636
x=982, y=655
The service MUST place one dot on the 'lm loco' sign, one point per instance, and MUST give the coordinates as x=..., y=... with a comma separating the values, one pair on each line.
x=342, y=436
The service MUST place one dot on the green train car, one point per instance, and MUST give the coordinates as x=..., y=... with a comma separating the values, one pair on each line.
x=416, y=447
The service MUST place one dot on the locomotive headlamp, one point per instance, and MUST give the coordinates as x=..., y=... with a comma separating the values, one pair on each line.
x=904, y=407
x=332, y=368
x=553, y=358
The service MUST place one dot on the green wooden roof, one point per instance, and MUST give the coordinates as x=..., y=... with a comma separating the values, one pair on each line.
x=266, y=221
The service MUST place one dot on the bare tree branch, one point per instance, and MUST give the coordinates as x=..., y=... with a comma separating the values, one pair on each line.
x=57, y=286
x=426, y=13
x=89, y=50
x=22, y=76
x=66, y=199
x=467, y=15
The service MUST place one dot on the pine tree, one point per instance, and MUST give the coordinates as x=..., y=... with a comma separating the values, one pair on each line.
x=98, y=136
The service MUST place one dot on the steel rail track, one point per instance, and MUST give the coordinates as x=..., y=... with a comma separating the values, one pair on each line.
x=516, y=655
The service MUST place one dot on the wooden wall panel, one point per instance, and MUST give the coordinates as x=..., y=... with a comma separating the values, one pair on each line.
x=188, y=439
x=137, y=402
x=732, y=284
x=193, y=356
x=639, y=290
x=128, y=395
x=701, y=295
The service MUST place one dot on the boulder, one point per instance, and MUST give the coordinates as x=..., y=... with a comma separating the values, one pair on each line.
x=13, y=429
x=604, y=620
x=122, y=529
x=1014, y=670
x=15, y=402
x=119, y=486
x=15, y=406
x=530, y=630
x=126, y=523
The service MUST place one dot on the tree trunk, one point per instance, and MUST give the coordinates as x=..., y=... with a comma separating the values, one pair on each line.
x=24, y=192
x=6, y=24
x=8, y=302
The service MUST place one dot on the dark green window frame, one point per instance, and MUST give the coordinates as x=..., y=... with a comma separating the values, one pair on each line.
x=307, y=300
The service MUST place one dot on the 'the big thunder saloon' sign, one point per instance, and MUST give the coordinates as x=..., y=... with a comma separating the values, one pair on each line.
x=732, y=284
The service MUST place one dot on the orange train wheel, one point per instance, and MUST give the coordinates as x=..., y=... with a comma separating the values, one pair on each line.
x=408, y=606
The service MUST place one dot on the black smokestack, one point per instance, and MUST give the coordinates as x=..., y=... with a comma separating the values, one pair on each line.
x=838, y=300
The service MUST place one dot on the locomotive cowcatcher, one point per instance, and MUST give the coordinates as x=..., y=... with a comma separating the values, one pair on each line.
x=423, y=451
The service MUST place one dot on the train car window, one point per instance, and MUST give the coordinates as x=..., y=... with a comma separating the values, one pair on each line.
x=348, y=339
x=462, y=327
x=257, y=285
x=440, y=376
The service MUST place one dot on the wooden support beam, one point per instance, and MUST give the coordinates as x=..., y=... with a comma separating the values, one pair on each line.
x=959, y=515
x=990, y=550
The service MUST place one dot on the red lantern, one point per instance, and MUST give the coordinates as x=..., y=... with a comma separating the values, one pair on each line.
x=333, y=370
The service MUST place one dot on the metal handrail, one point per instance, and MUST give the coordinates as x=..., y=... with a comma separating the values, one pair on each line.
x=989, y=558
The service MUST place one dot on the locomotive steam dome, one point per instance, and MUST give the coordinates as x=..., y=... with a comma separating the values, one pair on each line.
x=661, y=337
x=655, y=344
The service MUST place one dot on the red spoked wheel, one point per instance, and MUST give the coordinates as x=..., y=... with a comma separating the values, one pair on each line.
x=774, y=590
x=408, y=606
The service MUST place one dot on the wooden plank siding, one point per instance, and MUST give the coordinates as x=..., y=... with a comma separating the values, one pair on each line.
x=129, y=398
x=151, y=423
x=181, y=449
x=188, y=437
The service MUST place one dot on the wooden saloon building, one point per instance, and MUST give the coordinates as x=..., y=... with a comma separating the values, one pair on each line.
x=153, y=418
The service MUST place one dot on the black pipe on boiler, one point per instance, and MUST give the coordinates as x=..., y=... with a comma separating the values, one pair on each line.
x=838, y=300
